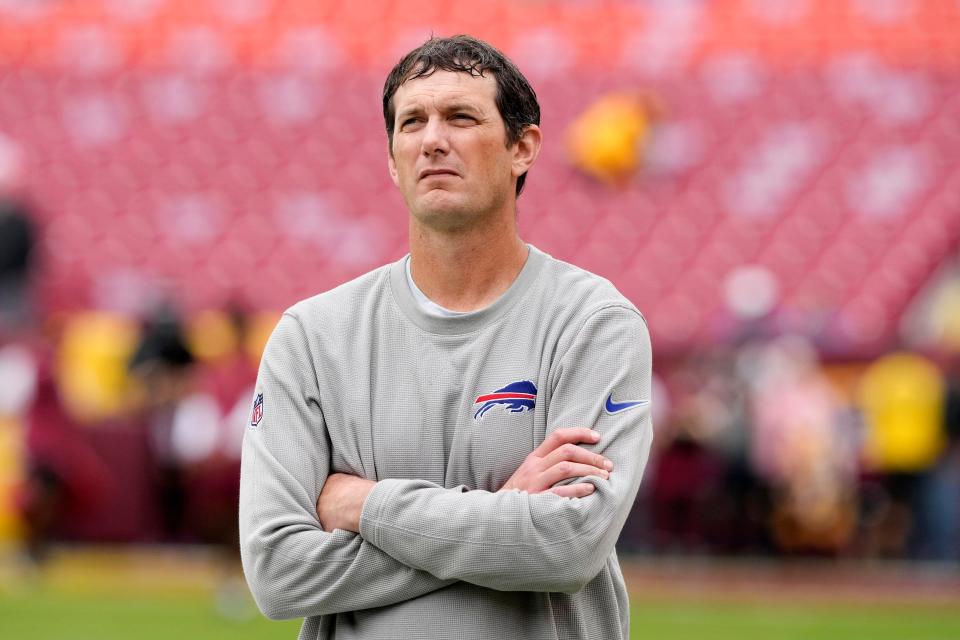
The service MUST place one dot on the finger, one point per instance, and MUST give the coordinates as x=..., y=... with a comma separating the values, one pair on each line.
x=566, y=470
x=575, y=453
x=579, y=490
x=563, y=436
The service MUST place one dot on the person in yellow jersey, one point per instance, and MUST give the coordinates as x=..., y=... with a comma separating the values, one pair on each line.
x=901, y=396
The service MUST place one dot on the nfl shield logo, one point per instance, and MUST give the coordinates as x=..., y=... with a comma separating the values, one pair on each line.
x=257, y=410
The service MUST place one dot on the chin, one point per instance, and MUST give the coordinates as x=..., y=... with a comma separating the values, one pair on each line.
x=450, y=211
x=445, y=218
x=440, y=209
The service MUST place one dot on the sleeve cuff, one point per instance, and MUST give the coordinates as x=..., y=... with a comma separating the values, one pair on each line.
x=379, y=499
x=373, y=507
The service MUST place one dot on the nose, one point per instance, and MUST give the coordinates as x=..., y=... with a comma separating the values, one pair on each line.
x=435, y=139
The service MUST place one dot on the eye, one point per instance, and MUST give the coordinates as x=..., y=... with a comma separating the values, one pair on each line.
x=406, y=123
x=464, y=117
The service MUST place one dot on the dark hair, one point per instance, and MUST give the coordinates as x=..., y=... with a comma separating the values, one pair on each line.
x=516, y=99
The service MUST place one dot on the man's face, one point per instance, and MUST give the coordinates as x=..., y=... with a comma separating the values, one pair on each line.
x=449, y=155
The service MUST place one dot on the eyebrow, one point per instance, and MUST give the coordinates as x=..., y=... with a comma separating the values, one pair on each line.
x=405, y=111
x=461, y=106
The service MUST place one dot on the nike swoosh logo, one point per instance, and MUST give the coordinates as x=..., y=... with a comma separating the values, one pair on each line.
x=617, y=407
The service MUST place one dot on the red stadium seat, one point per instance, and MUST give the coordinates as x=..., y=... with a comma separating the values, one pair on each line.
x=110, y=152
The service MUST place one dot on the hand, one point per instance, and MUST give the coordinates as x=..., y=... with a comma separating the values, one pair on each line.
x=559, y=458
x=341, y=502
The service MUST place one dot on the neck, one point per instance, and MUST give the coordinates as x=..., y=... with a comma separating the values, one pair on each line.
x=469, y=269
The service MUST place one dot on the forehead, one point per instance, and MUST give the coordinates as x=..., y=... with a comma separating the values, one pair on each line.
x=442, y=87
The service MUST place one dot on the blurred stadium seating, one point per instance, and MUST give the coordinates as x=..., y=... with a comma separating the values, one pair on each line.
x=225, y=148
x=221, y=152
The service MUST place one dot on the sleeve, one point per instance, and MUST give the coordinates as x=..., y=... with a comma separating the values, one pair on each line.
x=293, y=567
x=514, y=541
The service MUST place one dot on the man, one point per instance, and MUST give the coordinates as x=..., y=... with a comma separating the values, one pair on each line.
x=448, y=446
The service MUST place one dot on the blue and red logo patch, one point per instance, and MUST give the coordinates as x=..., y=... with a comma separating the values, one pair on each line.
x=257, y=414
x=515, y=397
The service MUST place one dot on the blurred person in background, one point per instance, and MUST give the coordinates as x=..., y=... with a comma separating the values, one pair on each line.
x=902, y=398
x=18, y=236
x=687, y=471
x=705, y=495
x=736, y=519
x=800, y=448
x=208, y=426
x=944, y=502
x=17, y=240
x=65, y=478
x=206, y=437
x=411, y=405
x=163, y=366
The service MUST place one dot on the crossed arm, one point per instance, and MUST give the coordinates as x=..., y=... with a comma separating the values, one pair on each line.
x=557, y=459
x=417, y=537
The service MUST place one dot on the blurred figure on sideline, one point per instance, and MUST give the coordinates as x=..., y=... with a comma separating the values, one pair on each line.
x=207, y=436
x=163, y=366
x=944, y=493
x=702, y=494
x=17, y=240
x=682, y=483
x=65, y=478
x=902, y=397
x=210, y=421
x=209, y=424
x=18, y=235
x=799, y=447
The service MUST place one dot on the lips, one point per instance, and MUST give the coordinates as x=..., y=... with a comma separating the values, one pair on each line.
x=426, y=173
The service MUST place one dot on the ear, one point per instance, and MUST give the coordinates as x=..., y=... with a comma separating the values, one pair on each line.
x=392, y=167
x=527, y=149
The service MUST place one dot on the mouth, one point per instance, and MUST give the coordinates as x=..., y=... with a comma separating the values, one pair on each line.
x=426, y=173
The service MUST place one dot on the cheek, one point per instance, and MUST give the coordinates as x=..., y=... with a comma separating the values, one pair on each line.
x=405, y=169
x=498, y=166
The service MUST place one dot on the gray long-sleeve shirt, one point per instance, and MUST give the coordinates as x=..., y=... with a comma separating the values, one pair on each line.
x=441, y=412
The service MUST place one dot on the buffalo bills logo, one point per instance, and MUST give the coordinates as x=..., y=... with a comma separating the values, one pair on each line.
x=516, y=397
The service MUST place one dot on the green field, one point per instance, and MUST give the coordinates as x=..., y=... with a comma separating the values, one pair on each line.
x=103, y=599
x=740, y=621
x=51, y=615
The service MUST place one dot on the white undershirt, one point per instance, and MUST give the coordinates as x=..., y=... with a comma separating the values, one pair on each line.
x=427, y=305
